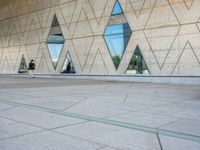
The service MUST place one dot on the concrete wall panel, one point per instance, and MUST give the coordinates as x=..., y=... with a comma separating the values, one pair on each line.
x=167, y=32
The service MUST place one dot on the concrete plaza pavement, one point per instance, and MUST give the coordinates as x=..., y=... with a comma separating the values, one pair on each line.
x=67, y=114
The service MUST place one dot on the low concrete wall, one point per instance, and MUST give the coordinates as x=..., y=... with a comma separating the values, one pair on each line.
x=190, y=80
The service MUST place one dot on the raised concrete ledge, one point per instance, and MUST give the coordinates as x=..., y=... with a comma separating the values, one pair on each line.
x=189, y=80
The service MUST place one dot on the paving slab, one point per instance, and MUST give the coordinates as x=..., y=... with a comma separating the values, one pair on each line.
x=170, y=143
x=189, y=114
x=113, y=136
x=48, y=140
x=59, y=114
x=166, y=110
x=57, y=103
x=97, y=111
x=37, y=118
x=109, y=148
x=15, y=130
x=187, y=126
x=4, y=121
x=5, y=106
x=145, y=119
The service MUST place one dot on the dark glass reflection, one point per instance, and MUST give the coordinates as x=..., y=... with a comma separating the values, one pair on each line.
x=55, y=41
x=137, y=64
x=23, y=66
x=68, y=66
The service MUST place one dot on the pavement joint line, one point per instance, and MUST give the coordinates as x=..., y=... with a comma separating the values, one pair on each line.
x=101, y=148
x=159, y=141
x=125, y=98
x=80, y=101
x=77, y=137
x=69, y=125
x=21, y=135
x=146, y=129
x=11, y=107
x=25, y=123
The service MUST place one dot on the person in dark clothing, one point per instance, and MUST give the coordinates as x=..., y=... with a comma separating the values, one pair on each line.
x=69, y=67
x=31, y=68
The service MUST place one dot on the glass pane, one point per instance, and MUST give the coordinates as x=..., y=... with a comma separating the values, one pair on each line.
x=55, y=41
x=68, y=66
x=137, y=64
x=23, y=66
x=116, y=38
x=55, y=50
x=117, y=8
x=115, y=44
x=117, y=34
x=55, y=22
x=114, y=29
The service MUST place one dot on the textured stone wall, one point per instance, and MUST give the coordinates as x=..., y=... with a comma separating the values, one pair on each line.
x=167, y=32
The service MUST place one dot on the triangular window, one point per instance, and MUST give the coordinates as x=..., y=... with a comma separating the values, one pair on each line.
x=22, y=66
x=68, y=66
x=137, y=64
x=117, y=8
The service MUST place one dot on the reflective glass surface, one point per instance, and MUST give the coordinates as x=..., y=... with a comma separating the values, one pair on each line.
x=55, y=41
x=68, y=66
x=23, y=66
x=137, y=63
x=117, y=34
x=117, y=8
x=116, y=38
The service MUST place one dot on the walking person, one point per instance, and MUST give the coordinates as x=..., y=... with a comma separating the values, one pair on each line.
x=31, y=68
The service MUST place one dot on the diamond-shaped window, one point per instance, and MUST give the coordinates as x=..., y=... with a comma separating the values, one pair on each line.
x=55, y=41
x=117, y=34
